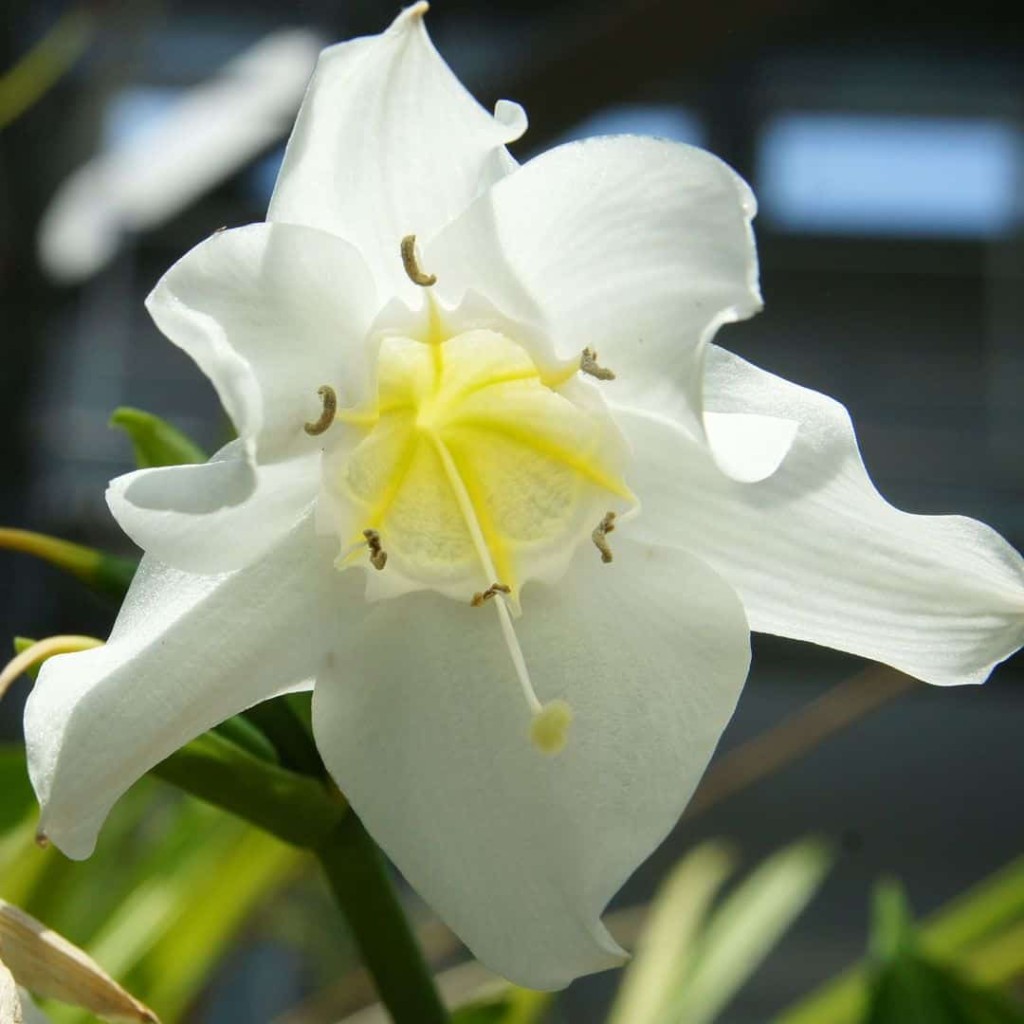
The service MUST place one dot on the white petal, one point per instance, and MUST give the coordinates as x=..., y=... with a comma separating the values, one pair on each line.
x=215, y=517
x=422, y=723
x=748, y=447
x=389, y=143
x=186, y=652
x=817, y=554
x=635, y=247
x=270, y=312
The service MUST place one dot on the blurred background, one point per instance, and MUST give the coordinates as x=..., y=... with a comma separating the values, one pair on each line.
x=885, y=142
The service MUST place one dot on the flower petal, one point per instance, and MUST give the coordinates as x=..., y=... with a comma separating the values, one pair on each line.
x=186, y=652
x=421, y=721
x=817, y=554
x=748, y=447
x=215, y=517
x=638, y=248
x=270, y=312
x=389, y=143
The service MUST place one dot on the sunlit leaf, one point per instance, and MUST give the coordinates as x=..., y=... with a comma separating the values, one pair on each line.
x=154, y=440
x=744, y=929
x=211, y=916
x=666, y=945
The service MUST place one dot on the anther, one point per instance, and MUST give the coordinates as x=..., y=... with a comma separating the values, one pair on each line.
x=589, y=365
x=492, y=591
x=378, y=556
x=42, y=840
x=412, y=266
x=330, y=401
x=600, y=536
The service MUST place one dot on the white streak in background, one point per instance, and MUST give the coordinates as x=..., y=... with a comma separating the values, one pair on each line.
x=211, y=132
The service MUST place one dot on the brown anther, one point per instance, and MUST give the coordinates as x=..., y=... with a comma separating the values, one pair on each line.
x=600, y=536
x=330, y=400
x=42, y=840
x=492, y=591
x=589, y=365
x=378, y=556
x=411, y=262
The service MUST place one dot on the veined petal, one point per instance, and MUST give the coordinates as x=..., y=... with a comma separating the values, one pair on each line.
x=421, y=721
x=817, y=554
x=389, y=143
x=638, y=248
x=270, y=312
x=215, y=517
x=186, y=652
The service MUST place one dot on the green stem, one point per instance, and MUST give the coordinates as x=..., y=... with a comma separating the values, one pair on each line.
x=285, y=730
x=359, y=880
x=295, y=808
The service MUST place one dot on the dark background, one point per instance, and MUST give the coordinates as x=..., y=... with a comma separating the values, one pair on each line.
x=893, y=281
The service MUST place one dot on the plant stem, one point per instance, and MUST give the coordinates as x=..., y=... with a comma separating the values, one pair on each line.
x=293, y=807
x=359, y=880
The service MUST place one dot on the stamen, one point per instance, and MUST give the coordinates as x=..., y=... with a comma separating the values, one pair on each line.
x=40, y=651
x=330, y=401
x=550, y=727
x=600, y=536
x=378, y=556
x=589, y=365
x=492, y=591
x=412, y=266
x=42, y=840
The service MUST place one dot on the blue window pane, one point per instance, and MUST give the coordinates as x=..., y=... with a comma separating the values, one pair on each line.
x=872, y=175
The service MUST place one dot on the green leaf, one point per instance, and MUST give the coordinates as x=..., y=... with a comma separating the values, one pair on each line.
x=512, y=1005
x=16, y=797
x=666, y=945
x=746, y=927
x=969, y=925
x=1000, y=959
x=208, y=915
x=906, y=986
x=155, y=441
x=492, y=1012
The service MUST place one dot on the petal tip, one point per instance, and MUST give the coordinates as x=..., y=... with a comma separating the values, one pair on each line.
x=412, y=14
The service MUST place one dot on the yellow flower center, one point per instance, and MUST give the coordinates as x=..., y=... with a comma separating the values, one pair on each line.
x=473, y=468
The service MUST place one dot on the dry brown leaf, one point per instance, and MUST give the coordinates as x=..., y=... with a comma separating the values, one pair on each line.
x=10, y=1000
x=50, y=966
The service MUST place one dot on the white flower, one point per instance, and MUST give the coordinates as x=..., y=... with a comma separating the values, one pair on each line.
x=476, y=452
